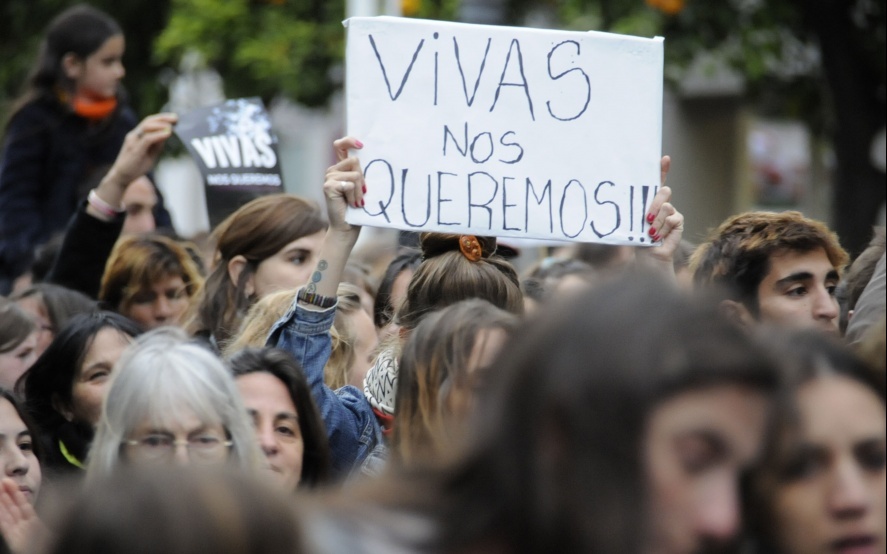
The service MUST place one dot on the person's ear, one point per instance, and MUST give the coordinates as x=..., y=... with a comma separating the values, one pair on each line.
x=737, y=312
x=72, y=66
x=236, y=267
x=850, y=315
x=62, y=407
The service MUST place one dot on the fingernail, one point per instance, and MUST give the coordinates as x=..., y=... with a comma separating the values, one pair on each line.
x=652, y=231
x=364, y=189
x=358, y=144
x=656, y=238
x=650, y=218
x=363, y=203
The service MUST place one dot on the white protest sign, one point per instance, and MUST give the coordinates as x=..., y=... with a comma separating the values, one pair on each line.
x=505, y=131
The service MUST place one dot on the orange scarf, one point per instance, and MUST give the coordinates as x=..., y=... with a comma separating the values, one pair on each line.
x=94, y=109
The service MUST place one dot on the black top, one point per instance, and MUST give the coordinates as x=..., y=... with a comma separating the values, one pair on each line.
x=49, y=153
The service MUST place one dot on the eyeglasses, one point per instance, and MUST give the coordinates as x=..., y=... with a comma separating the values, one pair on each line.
x=162, y=448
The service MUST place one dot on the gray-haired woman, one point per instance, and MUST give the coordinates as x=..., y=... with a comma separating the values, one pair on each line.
x=172, y=401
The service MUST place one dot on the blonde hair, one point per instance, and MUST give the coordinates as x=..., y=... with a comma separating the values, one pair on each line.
x=267, y=311
x=257, y=323
x=336, y=371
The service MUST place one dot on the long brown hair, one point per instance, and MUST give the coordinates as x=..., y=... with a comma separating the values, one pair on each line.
x=805, y=356
x=256, y=231
x=553, y=461
x=433, y=364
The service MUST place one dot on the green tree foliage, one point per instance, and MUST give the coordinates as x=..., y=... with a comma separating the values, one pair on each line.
x=771, y=43
x=22, y=23
x=821, y=61
x=262, y=48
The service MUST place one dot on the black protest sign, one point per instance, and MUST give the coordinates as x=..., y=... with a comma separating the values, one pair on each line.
x=236, y=151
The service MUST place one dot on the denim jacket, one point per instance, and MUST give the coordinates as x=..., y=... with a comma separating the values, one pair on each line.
x=351, y=425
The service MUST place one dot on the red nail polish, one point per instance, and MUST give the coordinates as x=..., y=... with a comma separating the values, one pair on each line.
x=656, y=238
x=364, y=189
x=650, y=218
x=652, y=231
x=358, y=144
x=363, y=203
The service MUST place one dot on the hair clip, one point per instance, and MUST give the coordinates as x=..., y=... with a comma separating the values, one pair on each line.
x=470, y=247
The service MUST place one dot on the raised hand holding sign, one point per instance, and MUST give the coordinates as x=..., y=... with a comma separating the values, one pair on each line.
x=505, y=131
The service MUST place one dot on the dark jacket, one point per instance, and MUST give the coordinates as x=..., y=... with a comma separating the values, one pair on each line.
x=80, y=261
x=49, y=154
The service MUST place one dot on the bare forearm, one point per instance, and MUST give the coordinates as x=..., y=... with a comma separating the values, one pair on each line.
x=334, y=253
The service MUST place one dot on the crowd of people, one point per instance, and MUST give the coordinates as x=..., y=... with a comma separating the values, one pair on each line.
x=286, y=392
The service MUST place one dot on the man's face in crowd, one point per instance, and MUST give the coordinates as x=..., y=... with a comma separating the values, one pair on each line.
x=799, y=291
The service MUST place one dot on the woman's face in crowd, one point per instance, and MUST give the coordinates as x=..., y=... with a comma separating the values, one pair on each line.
x=16, y=361
x=99, y=75
x=164, y=303
x=93, y=377
x=45, y=332
x=183, y=441
x=17, y=451
x=831, y=493
x=289, y=268
x=698, y=443
x=276, y=422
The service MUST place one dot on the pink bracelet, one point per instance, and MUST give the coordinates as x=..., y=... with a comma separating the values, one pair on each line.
x=103, y=207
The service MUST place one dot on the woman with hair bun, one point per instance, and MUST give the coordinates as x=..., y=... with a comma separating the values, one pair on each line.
x=455, y=268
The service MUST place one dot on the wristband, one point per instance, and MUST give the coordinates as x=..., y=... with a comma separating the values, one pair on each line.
x=103, y=207
x=315, y=299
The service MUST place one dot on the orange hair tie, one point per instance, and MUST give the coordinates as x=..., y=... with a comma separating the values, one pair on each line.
x=470, y=247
